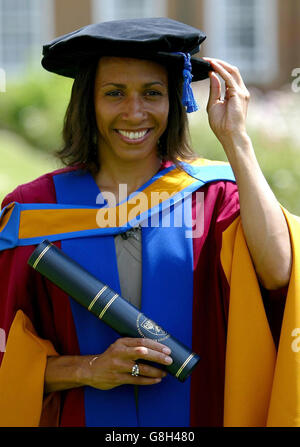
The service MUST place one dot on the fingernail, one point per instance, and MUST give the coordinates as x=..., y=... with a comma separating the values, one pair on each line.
x=168, y=360
x=167, y=350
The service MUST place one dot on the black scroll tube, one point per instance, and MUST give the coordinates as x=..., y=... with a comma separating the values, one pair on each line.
x=108, y=305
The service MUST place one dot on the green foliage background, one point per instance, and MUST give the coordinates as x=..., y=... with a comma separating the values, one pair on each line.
x=32, y=112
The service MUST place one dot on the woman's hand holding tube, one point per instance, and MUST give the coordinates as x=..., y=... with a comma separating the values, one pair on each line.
x=110, y=369
x=114, y=366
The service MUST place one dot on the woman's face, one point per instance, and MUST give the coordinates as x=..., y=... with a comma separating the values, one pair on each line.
x=131, y=106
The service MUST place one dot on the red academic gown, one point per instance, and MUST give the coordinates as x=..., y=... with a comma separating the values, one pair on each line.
x=49, y=310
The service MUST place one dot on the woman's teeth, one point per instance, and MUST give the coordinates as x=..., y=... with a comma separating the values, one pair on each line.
x=133, y=135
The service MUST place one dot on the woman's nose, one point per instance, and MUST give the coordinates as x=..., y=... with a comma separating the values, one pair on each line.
x=134, y=108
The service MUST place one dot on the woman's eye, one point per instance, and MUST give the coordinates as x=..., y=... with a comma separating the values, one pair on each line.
x=114, y=93
x=153, y=93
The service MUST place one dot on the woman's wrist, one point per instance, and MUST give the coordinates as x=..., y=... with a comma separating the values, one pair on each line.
x=235, y=142
x=240, y=153
x=65, y=372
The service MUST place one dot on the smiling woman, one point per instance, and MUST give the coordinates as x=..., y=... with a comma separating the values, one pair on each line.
x=221, y=291
x=132, y=108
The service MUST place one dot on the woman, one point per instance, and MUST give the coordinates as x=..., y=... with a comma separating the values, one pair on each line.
x=126, y=125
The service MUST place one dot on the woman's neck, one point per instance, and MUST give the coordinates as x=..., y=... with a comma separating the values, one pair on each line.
x=133, y=174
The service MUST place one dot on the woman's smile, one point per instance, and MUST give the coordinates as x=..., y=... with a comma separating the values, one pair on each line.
x=133, y=136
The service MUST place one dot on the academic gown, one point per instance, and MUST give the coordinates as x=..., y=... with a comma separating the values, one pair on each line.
x=44, y=316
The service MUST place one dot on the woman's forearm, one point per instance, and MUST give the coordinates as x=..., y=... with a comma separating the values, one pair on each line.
x=264, y=224
x=263, y=221
x=65, y=372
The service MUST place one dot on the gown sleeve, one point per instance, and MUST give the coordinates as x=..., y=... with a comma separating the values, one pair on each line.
x=23, y=308
x=217, y=285
x=262, y=371
x=273, y=300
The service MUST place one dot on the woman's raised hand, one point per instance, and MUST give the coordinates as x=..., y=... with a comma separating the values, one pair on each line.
x=227, y=116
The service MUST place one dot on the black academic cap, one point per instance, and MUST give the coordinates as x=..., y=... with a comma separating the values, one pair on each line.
x=146, y=38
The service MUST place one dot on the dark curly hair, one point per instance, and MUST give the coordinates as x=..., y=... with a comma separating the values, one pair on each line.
x=80, y=128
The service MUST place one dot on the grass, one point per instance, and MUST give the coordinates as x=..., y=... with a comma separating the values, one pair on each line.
x=20, y=163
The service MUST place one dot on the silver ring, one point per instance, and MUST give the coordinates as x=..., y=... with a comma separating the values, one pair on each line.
x=135, y=370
